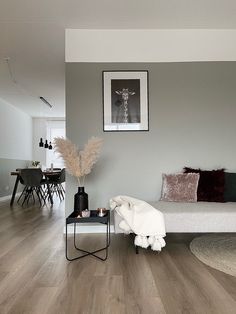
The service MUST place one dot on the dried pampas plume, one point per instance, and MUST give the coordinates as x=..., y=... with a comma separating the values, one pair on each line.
x=78, y=163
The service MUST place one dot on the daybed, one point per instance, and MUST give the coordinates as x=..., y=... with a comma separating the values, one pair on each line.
x=194, y=217
x=197, y=201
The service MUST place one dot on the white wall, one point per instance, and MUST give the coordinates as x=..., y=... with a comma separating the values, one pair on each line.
x=16, y=133
x=40, y=129
x=15, y=144
x=166, y=45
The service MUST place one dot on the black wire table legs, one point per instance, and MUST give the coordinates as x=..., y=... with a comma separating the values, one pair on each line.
x=93, y=218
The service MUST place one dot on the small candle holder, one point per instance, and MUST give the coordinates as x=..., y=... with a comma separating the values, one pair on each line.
x=101, y=212
x=85, y=213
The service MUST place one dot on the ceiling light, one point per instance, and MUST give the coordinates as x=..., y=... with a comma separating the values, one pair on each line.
x=45, y=101
x=41, y=144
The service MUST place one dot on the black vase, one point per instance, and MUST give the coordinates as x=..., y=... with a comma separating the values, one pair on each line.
x=80, y=200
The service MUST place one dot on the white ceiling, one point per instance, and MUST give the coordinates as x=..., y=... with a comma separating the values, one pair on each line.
x=32, y=35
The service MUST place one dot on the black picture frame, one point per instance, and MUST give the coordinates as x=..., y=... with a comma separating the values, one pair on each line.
x=125, y=101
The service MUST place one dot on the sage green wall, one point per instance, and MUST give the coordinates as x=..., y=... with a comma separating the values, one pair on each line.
x=6, y=180
x=192, y=109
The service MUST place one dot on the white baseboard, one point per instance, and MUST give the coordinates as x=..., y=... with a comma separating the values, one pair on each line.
x=8, y=197
x=88, y=228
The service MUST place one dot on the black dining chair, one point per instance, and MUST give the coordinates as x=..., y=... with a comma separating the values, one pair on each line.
x=33, y=181
x=55, y=181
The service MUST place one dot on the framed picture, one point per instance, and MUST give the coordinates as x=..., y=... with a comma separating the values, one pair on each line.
x=125, y=101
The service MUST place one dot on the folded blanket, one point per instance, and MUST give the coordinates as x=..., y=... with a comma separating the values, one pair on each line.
x=142, y=219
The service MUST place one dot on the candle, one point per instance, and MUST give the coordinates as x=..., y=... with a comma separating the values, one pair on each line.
x=101, y=211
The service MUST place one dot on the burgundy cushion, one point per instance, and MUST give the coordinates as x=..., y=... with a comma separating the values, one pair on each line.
x=211, y=184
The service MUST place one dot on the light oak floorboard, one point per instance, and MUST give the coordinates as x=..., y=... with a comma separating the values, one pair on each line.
x=35, y=277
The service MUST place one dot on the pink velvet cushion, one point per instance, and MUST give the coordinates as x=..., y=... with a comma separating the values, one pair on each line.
x=181, y=187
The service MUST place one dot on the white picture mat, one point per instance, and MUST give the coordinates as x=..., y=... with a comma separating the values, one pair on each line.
x=143, y=77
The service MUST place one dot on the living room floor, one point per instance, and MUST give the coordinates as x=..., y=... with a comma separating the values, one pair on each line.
x=35, y=277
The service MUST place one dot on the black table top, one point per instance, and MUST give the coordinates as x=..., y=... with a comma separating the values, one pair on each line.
x=72, y=218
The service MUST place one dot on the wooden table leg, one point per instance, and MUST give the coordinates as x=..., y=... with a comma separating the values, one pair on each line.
x=14, y=190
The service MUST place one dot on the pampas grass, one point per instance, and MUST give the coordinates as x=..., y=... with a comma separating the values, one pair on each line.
x=78, y=163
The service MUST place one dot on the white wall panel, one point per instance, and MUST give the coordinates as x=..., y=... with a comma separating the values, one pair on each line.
x=83, y=45
x=16, y=133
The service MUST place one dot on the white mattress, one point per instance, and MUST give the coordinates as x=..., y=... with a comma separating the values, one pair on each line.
x=195, y=217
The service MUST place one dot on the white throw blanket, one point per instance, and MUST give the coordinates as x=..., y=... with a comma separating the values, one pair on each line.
x=142, y=219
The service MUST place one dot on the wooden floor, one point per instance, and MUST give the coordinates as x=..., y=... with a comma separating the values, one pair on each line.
x=36, y=278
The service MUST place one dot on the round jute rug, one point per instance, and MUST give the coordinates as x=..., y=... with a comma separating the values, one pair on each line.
x=217, y=251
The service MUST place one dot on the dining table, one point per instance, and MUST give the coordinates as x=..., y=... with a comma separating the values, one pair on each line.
x=46, y=173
